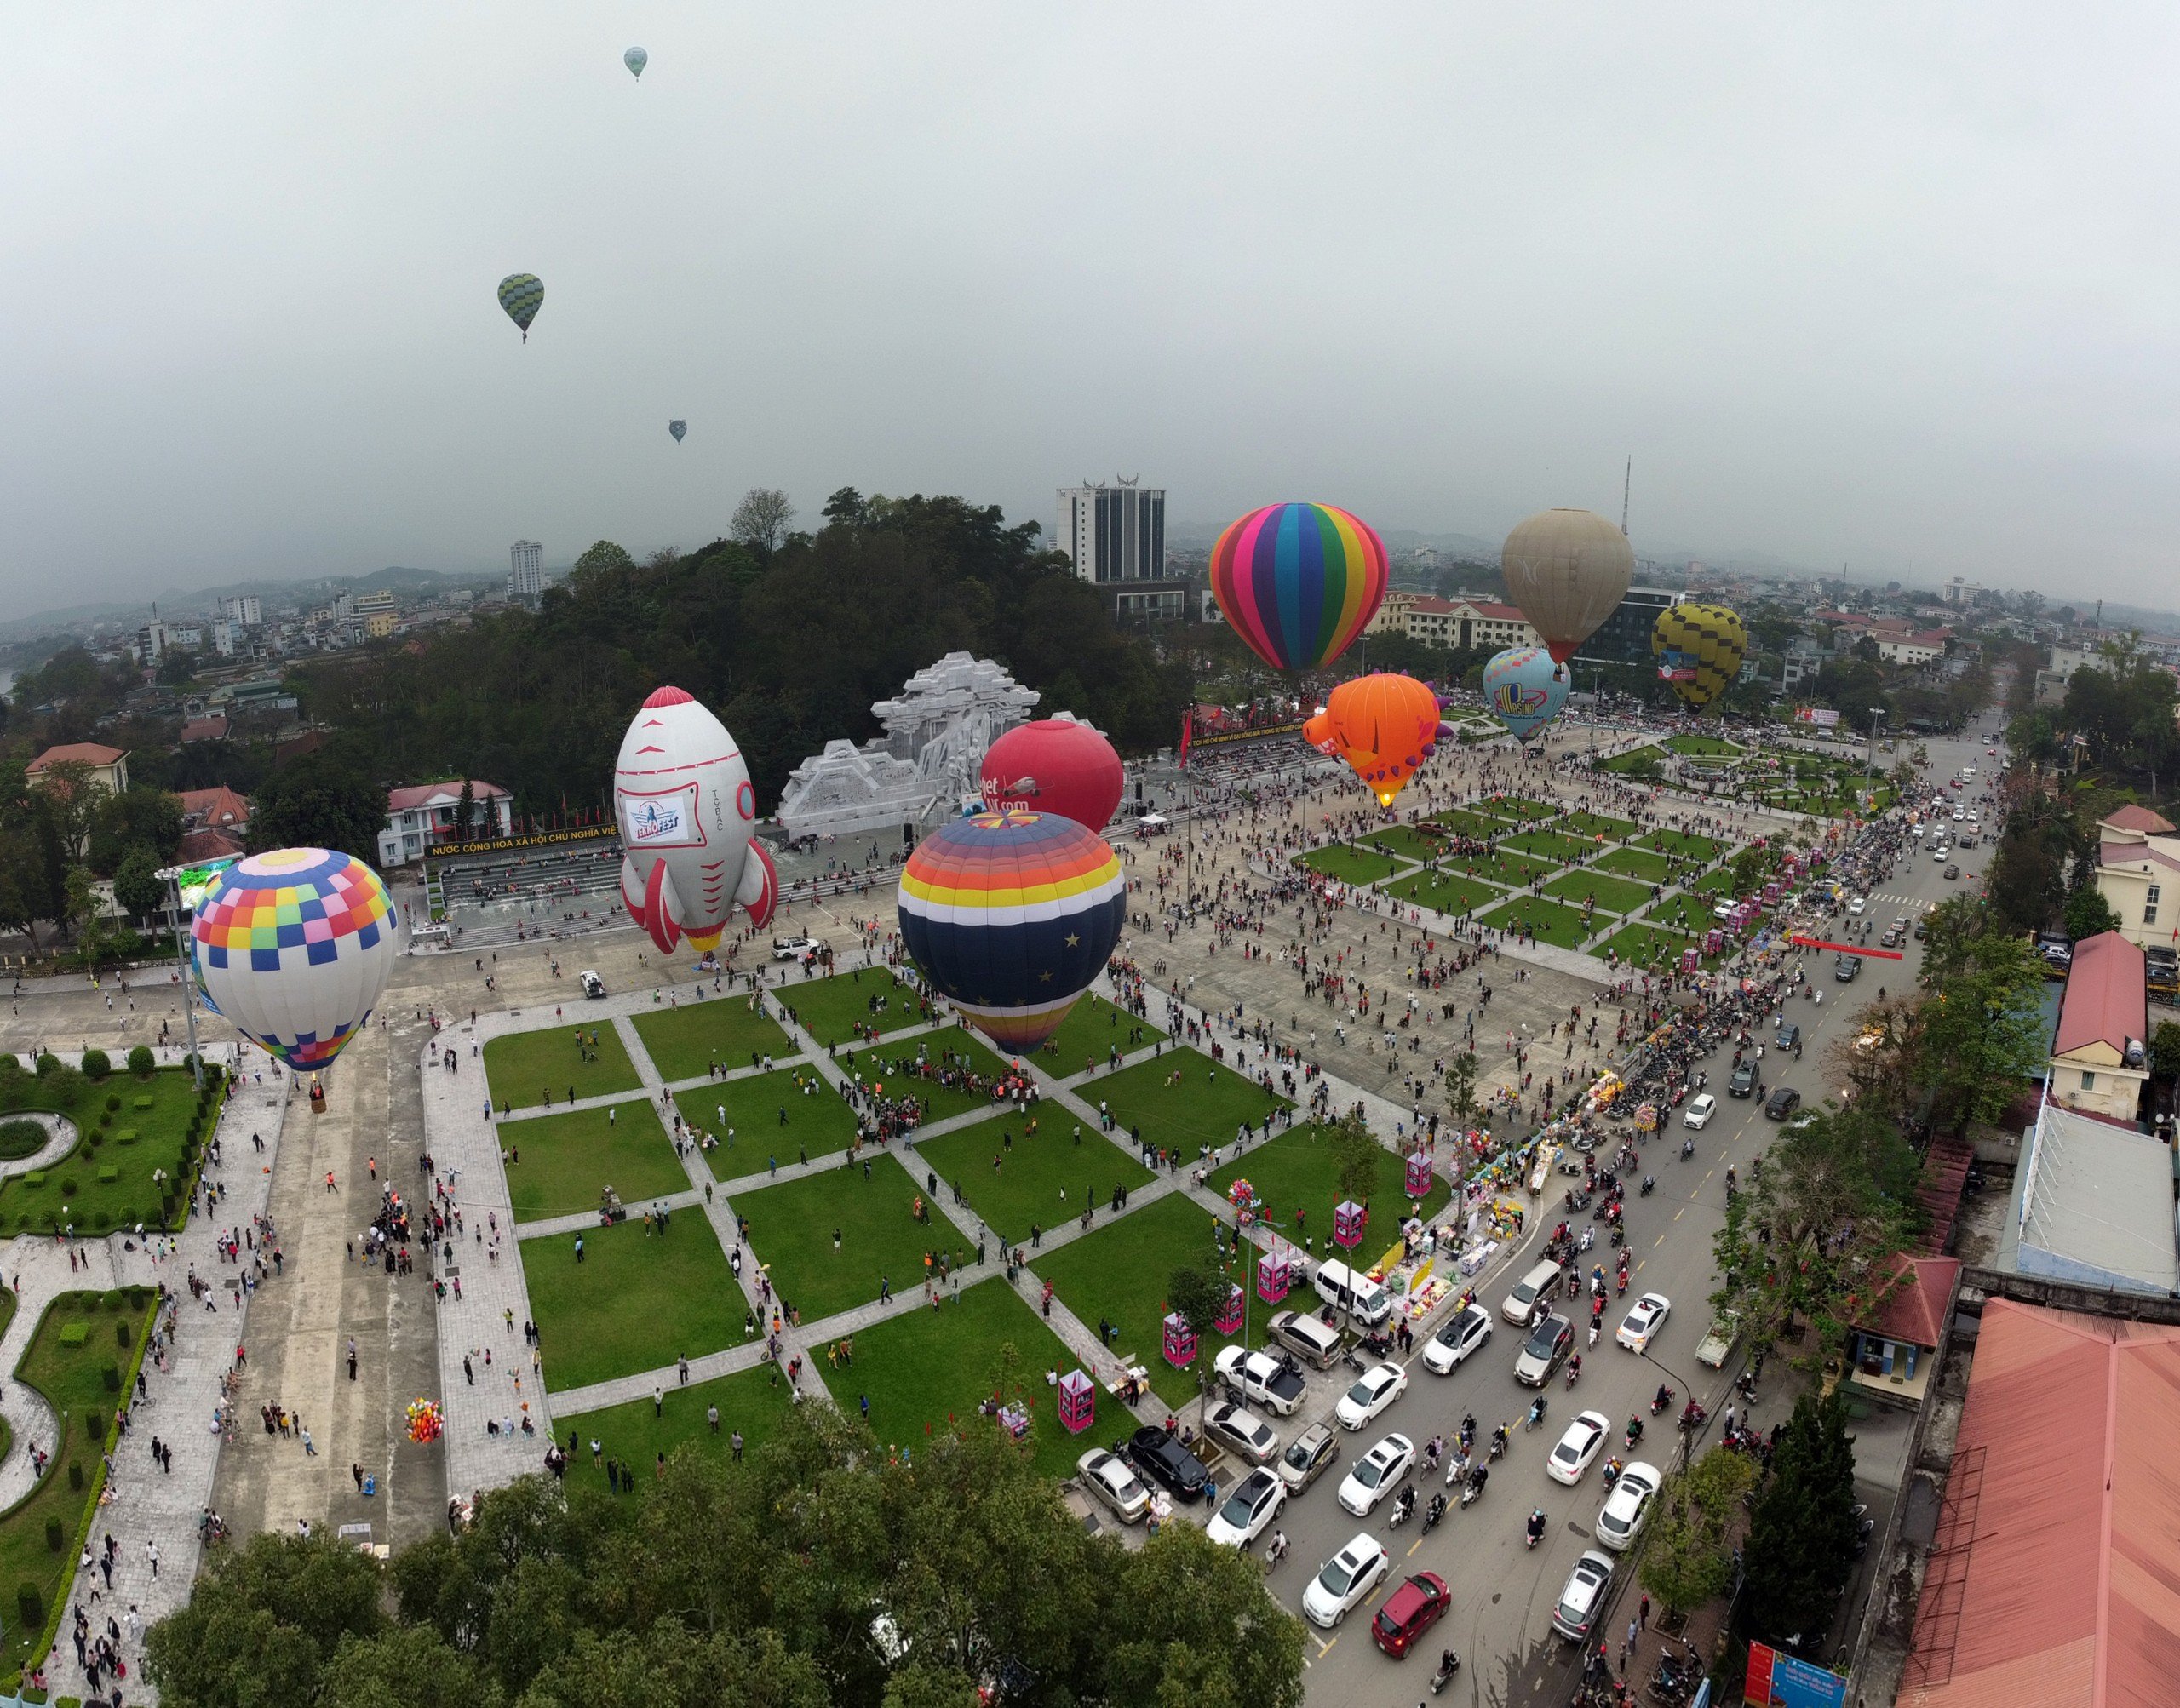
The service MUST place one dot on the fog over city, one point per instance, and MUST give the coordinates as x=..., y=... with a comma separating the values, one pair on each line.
x=1856, y=286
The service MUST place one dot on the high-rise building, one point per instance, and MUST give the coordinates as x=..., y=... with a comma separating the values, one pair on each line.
x=1115, y=537
x=526, y=579
x=1114, y=533
x=1624, y=638
x=246, y=610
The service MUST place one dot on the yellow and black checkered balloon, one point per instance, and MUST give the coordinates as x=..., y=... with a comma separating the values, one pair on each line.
x=1699, y=649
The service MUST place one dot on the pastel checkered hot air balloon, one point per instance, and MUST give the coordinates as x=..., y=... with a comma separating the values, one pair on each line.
x=522, y=294
x=1699, y=649
x=1383, y=725
x=1298, y=582
x=1524, y=688
x=294, y=947
x=1011, y=915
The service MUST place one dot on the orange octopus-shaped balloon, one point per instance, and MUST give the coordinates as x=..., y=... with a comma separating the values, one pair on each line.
x=1383, y=725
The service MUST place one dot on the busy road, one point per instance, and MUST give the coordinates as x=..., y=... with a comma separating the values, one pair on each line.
x=1503, y=1591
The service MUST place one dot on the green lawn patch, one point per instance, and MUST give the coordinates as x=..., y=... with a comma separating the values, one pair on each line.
x=1587, y=824
x=685, y=1041
x=1552, y=845
x=1119, y=1273
x=1462, y=822
x=1202, y=1110
x=1399, y=841
x=1718, y=882
x=1684, y=843
x=73, y=1379
x=1639, y=760
x=926, y=1372
x=1032, y=1172
x=830, y=1009
x=1521, y=806
x=949, y=1048
x=1614, y=895
x=1092, y=1027
x=1509, y=871
x=751, y=1401
x=1684, y=913
x=557, y=1163
x=1636, y=863
x=150, y=1175
x=1702, y=747
x=526, y=1069
x=819, y=1122
x=1642, y=945
x=791, y=1231
x=636, y=1302
x=1295, y=1172
x=1454, y=893
x=1548, y=921
x=1351, y=865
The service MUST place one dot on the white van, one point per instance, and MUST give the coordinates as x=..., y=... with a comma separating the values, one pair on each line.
x=1540, y=1283
x=1354, y=1293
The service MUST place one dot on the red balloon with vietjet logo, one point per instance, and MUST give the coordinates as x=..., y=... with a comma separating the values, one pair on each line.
x=1055, y=765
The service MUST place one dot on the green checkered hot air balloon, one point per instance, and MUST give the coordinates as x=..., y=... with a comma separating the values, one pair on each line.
x=522, y=294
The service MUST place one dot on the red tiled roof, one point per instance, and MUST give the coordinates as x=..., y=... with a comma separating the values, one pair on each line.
x=2050, y=1584
x=213, y=729
x=1913, y=1308
x=2107, y=995
x=1503, y=613
x=407, y=800
x=2120, y=853
x=75, y=753
x=1428, y=605
x=1945, y=1173
x=214, y=809
x=207, y=844
x=2135, y=817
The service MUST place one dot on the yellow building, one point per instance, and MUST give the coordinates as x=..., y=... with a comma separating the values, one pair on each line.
x=2137, y=854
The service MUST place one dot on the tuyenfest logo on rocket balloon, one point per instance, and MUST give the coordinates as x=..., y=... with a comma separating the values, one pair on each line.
x=688, y=818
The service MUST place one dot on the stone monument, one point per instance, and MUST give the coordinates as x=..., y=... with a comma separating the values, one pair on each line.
x=937, y=730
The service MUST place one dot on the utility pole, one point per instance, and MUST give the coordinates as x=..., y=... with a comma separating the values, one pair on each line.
x=172, y=875
x=1626, y=487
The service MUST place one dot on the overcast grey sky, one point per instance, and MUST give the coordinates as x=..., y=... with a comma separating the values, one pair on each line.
x=1892, y=287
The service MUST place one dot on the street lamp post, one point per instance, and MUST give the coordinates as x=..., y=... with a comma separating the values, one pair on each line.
x=1689, y=1389
x=172, y=875
x=1870, y=764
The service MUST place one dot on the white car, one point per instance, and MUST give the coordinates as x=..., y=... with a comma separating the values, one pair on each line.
x=1345, y=1580
x=1645, y=1318
x=1579, y=1447
x=793, y=948
x=1700, y=1109
x=1375, y=1475
x=1374, y=1389
x=1262, y=1377
x=1627, y=1506
x=1114, y=1484
x=1958, y=814
x=1247, y=1512
x=1240, y=1434
x=1941, y=852
x=1451, y=1345
x=1855, y=906
x=593, y=985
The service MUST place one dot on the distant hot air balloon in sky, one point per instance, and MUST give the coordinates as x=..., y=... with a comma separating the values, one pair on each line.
x=1568, y=570
x=1298, y=582
x=1012, y=915
x=1524, y=688
x=1054, y=765
x=687, y=813
x=636, y=60
x=677, y=429
x=1699, y=649
x=522, y=294
x=293, y=947
x=1383, y=725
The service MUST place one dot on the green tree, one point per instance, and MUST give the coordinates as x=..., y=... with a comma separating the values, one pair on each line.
x=465, y=812
x=137, y=885
x=1801, y=1536
x=136, y=817
x=2165, y=1050
x=1189, y=1624
x=319, y=801
x=1460, y=1090
x=263, y=1623
x=1357, y=1157
x=1981, y=1025
x=761, y=519
x=2088, y=913
x=1685, y=1557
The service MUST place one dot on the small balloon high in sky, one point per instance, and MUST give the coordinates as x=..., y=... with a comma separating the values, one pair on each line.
x=636, y=60
x=679, y=429
x=522, y=294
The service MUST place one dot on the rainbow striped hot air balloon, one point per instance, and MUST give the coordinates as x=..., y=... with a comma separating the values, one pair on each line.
x=294, y=948
x=1298, y=582
x=1011, y=915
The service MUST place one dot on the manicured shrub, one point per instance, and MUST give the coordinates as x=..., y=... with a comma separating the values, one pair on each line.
x=141, y=1062
x=123, y=1334
x=112, y=1377
x=21, y=1138
x=97, y=1065
x=75, y=1476
x=47, y=1064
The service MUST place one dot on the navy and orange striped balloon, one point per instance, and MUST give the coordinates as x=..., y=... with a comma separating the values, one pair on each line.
x=1298, y=581
x=1012, y=915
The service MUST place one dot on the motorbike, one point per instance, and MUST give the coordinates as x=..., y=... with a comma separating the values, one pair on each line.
x=1649, y=1185
x=1618, y=1236
x=1456, y=1469
x=1432, y=1513
x=1536, y=1414
x=1498, y=1443
x=1474, y=1487
x=1536, y=1526
x=1660, y=1400
x=1687, y=1149
x=1403, y=1509
x=1693, y=1416
x=1574, y=1372
x=1634, y=1433
x=1448, y=1664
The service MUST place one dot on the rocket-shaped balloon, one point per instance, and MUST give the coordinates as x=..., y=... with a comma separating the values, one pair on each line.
x=687, y=814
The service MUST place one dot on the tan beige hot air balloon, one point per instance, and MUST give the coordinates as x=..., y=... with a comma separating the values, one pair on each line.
x=1568, y=570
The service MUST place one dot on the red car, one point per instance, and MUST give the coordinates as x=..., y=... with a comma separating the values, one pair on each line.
x=1409, y=1612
